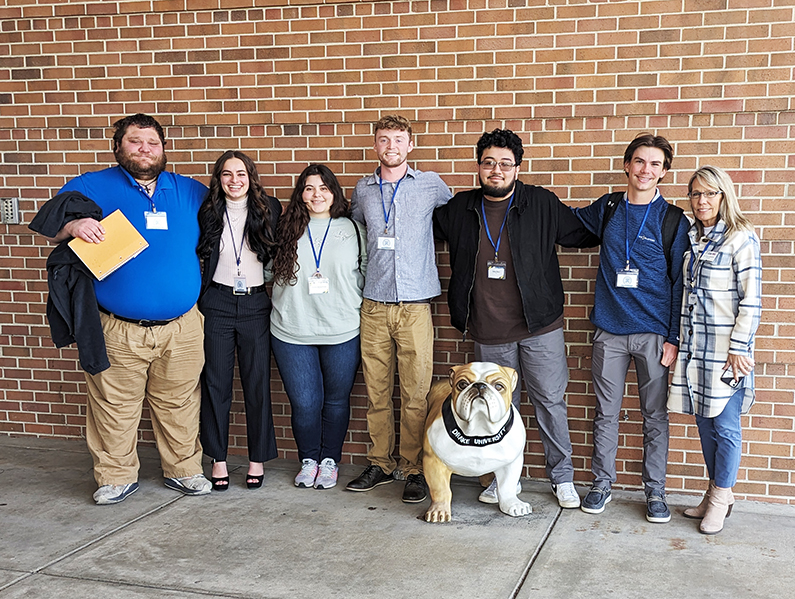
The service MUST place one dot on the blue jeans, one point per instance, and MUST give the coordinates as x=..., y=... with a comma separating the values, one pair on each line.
x=722, y=441
x=318, y=380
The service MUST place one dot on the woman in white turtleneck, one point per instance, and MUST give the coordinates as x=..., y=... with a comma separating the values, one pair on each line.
x=238, y=221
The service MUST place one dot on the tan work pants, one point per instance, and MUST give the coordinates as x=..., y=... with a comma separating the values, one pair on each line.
x=162, y=364
x=403, y=332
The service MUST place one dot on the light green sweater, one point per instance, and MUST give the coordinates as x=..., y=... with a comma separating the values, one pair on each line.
x=328, y=318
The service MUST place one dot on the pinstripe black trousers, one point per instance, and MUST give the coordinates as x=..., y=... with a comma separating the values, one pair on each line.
x=236, y=323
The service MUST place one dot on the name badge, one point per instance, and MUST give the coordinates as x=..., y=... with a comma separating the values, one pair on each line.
x=318, y=284
x=495, y=269
x=709, y=256
x=627, y=278
x=691, y=299
x=239, y=285
x=386, y=243
x=156, y=220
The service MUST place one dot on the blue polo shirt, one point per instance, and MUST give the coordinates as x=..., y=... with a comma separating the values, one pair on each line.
x=163, y=281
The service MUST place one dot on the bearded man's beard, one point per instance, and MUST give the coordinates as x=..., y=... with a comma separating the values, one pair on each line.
x=495, y=191
x=148, y=170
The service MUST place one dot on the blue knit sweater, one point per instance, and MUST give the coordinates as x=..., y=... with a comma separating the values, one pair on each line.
x=654, y=306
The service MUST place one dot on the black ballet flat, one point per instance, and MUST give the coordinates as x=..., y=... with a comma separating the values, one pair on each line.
x=256, y=483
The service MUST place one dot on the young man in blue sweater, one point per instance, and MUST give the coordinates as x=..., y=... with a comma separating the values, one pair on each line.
x=636, y=314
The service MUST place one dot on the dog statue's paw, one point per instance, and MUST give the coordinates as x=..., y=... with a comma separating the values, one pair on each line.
x=438, y=512
x=516, y=508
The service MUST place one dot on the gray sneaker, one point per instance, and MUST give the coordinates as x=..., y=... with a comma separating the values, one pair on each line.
x=327, y=474
x=190, y=485
x=306, y=477
x=110, y=494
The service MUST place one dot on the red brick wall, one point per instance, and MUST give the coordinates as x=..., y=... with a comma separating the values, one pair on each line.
x=293, y=82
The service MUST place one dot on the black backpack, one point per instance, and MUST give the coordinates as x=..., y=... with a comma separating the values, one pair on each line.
x=669, y=227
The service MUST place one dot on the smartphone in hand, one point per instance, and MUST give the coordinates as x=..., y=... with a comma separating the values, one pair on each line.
x=728, y=378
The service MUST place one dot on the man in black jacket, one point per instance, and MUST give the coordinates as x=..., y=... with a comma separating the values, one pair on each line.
x=505, y=289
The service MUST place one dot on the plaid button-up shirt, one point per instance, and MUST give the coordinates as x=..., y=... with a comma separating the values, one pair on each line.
x=721, y=310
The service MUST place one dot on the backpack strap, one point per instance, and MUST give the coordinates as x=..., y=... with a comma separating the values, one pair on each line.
x=610, y=209
x=359, y=241
x=669, y=228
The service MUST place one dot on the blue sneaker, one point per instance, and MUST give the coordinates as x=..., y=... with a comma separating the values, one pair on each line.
x=657, y=509
x=596, y=500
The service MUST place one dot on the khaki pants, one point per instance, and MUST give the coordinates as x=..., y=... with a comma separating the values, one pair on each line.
x=162, y=364
x=403, y=332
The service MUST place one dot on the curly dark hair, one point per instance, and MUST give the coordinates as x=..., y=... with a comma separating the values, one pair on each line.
x=259, y=232
x=295, y=220
x=501, y=138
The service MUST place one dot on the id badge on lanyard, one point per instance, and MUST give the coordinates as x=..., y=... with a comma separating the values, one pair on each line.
x=156, y=220
x=495, y=269
x=318, y=284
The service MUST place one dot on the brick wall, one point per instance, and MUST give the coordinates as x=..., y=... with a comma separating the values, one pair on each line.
x=294, y=82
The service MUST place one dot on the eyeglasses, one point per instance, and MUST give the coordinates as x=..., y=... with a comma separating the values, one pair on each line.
x=489, y=165
x=696, y=195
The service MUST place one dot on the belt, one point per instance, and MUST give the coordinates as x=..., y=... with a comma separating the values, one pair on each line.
x=422, y=301
x=141, y=322
x=233, y=291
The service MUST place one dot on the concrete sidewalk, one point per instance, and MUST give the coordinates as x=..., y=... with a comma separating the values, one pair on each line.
x=280, y=541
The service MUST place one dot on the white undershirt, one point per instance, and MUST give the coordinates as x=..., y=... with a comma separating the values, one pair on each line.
x=250, y=266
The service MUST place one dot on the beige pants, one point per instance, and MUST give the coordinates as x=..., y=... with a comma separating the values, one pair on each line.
x=403, y=332
x=163, y=365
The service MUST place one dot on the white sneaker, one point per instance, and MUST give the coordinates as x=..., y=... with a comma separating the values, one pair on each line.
x=489, y=495
x=326, y=474
x=566, y=494
x=306, y=478
x=190, y=485
x=110, y=494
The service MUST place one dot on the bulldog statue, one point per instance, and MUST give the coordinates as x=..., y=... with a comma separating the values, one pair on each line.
x=473, y=429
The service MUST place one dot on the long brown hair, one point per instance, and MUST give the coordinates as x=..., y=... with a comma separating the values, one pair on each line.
x=295, y=220
x=259, y=232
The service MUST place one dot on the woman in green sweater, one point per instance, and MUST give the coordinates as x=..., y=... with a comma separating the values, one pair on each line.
x=318, y=275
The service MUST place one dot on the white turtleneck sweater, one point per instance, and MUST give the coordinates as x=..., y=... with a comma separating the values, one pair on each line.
x=227, y=268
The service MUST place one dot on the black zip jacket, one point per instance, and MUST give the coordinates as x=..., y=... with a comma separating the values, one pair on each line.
x=537, y=220
x=72, y=303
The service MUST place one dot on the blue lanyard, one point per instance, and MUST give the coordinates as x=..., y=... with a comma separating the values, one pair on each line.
x=693, y=265
x=391, y=202
x=643, y=222
x=318, y=253
x=502, y=226
x=238, y=253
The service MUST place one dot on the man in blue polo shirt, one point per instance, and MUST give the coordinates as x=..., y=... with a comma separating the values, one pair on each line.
x=151, y=326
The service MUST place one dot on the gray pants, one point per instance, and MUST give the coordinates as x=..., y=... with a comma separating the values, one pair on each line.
x=541, y=362
x=611, y=356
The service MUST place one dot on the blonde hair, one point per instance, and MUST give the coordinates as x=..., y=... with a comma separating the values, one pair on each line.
x=717, y=178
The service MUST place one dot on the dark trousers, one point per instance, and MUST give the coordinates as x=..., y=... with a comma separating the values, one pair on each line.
x=242, y=323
